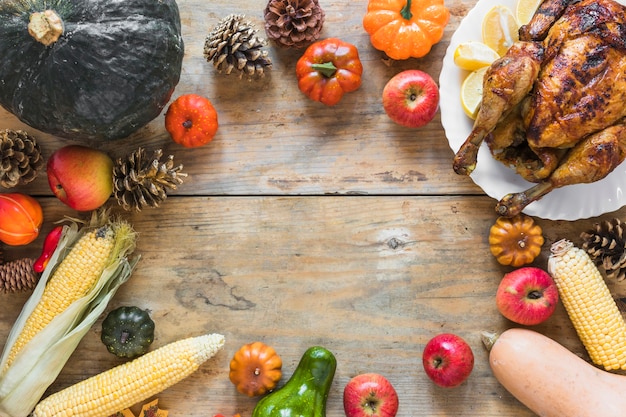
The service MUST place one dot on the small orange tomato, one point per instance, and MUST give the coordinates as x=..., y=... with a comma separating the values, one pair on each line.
x=191, y=120
x=255, y=369
x=21, y=217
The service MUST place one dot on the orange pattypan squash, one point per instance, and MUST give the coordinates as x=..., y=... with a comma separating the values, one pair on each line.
x=191, y=120
x=255, y=369
x=515, y=241
x=405, y=28
x=21, y=217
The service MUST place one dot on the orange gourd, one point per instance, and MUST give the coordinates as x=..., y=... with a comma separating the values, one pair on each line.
x=21, y=217
x=191, y=120
x=255, y=369
x=405, y=28
x=515, y=241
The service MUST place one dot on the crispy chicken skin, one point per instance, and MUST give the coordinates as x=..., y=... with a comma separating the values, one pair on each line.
x=561, y=123
x=547, y=13
x=590, y=160
x=581, y=88
x=506, y=83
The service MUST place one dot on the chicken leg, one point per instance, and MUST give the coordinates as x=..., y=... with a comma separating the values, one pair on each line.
x=506, y=83
x=508, y=145
x=590, y=160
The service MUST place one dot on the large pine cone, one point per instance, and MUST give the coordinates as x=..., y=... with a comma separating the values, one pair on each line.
x=233, y=45
x=606, y=245
x=293, y=23
x=20, y=158
x=140, y=181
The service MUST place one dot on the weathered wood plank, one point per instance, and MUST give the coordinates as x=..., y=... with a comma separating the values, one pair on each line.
x=370, y=278
x=274, y=140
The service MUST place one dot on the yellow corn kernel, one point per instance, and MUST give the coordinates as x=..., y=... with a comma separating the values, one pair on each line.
x=589, y=305
x=75, y=276
x=121, y=387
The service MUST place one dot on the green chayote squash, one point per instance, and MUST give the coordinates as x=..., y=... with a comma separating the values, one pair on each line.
x=306, y=392
x=127, y=332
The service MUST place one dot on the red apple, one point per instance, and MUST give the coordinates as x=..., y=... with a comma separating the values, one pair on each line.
x=448, y=360
x=370, y=395
x=411, y=98
x=527, y=296
x=80, y=176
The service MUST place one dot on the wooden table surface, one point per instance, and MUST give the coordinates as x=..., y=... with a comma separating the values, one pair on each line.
x=303, y=225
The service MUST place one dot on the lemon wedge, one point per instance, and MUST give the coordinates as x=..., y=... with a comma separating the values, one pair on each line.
x=474, y=55
x=472, y=92
x=525, y=9
x=500, y=29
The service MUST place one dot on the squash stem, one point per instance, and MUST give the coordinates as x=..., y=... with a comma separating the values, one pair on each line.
x=488, y=339
x=327, y=69
x=406, y=11
x=46, y=27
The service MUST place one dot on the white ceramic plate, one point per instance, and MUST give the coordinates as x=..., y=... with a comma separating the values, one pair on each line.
x=572, y=202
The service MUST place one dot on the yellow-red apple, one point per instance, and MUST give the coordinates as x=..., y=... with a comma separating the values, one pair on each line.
x=448, y=360
x=370, y=395
x=80, y=176
x=411, y=98
x=527, y=296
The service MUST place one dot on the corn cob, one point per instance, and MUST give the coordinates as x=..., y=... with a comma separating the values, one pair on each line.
x=589, y=305
x=74, y=277
x=125, y=385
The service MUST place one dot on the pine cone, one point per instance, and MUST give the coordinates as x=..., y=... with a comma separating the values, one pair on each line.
x=606, y=246
x=18, y=275
x=234, y=45
x=140, y=182
x=20, y=158
x=293, y=23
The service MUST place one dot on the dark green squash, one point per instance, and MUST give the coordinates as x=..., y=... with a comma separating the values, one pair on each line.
x=111, y=71
x=127, y=332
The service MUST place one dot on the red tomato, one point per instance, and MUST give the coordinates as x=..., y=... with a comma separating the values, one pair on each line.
x=21, y=217
x=328, y=69
x=191, y=120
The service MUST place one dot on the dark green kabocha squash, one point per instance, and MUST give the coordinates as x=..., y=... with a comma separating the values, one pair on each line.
x=91, y=70
x=127, y=331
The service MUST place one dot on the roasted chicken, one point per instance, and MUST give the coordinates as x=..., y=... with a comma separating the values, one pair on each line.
x=553, y=106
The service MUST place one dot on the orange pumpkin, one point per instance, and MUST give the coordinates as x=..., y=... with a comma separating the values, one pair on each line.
x=405, y=28
x=21, y=217
x=515, y=241
x=191, y=120
x=255, y=369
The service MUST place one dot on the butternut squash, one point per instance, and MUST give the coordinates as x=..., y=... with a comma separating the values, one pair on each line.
x=551, y=380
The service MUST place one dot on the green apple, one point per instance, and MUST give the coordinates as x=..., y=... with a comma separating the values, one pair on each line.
x=80, y=176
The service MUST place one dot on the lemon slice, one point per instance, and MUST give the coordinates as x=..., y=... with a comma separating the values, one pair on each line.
x=525, y=10
x=500, y=29
x=472, y=92
x=473, y=55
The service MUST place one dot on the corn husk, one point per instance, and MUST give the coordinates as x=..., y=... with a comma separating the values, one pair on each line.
x=38, y=364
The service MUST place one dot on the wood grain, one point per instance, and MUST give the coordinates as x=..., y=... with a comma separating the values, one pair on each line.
x=273, y=140
x=302, y=225
x=370, y=278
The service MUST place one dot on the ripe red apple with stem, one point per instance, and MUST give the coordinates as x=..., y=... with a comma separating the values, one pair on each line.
x=411, y=98
x=370, y=395
x=448, y=360
x=80, y=176
x=527, y=296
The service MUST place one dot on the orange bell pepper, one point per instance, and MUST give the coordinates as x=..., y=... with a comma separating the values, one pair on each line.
x=405, y=28
x=328, y=69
